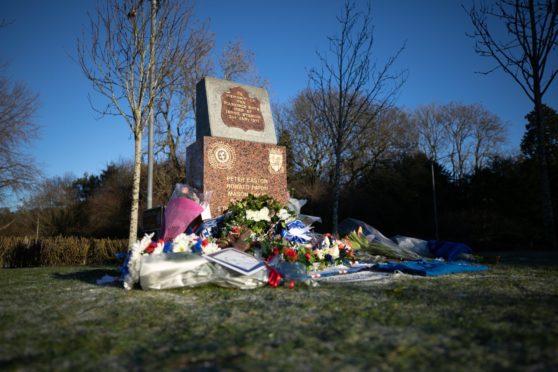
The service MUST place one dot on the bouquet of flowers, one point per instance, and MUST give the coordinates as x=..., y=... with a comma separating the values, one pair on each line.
x=252, y=220
x=316, y=254
x=274, y=233
x=257, y=223
x=183, y=243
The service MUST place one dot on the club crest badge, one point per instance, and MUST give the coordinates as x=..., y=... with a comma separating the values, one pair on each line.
x=276, y=161
x=221, y=156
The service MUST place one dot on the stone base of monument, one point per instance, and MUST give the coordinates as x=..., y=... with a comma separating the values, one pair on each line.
x=232, y=169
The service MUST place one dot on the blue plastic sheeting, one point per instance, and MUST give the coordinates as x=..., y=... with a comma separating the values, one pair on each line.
x=429, y=268
x=448, y=250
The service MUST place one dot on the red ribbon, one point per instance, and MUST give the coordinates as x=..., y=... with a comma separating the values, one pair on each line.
x=274, y=277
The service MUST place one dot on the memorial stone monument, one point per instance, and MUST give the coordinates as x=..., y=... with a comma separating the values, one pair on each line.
x=236, y=152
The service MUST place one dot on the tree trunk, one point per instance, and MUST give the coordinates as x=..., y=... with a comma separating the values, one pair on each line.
x=152, y=38
x=542, y=165
x=133, y=235
x=336, y=194
x=548, y=213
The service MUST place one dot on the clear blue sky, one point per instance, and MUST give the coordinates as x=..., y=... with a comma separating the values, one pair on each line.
x=284, y=36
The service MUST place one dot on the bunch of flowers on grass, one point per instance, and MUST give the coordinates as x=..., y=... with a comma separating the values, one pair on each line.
x=261, y=226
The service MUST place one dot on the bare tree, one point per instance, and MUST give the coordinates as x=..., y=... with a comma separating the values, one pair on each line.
x=238, y=63
x=313, y=154
x=532, y=30
x=462, y=138
x=175, y=111
x=17, y=130
x=386, y=138
x=458, y=124
x=51, y=207
x=351, y=89
x=128, y=62
x=489, y=133
x=433, y=138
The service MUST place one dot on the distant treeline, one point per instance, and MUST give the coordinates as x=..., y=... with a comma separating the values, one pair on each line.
x=496, y=208
x=489, y=204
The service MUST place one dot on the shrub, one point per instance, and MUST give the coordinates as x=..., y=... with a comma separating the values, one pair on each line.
x=58, y=251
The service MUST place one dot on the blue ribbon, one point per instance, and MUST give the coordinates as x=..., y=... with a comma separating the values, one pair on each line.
x=296, y=232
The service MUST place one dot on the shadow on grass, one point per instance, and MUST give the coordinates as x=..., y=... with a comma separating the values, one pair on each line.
x=89, y=276
x=533, y=258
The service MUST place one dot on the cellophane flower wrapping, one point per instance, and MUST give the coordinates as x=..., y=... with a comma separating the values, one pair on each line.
x=132, y=265
x=265, y=228
x=176, y=270
x=184, y=206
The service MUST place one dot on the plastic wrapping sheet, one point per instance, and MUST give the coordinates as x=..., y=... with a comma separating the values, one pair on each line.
x=175, y=270
x=360, y=276
x=418, y=246
x=295, y=205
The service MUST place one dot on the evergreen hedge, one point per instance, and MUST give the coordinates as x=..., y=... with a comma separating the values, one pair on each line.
x=58, y=251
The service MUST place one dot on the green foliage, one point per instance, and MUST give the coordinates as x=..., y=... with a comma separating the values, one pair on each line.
x=268, y=245
x=529, y=140
x=272, y=215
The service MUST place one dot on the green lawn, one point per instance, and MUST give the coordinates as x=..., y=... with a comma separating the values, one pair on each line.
x=504, y=318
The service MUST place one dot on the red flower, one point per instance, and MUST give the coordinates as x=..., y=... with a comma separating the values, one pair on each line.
x=205, y=242
x=291, y=284
x=235, y=230
x=151, y=247
x=275, y=251
x=308, y=257
x=290, y=254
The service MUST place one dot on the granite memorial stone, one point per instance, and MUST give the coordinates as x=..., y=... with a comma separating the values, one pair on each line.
x=229, y=110
x=235, y=153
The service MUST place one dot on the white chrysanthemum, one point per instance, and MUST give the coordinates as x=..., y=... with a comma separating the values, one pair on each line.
x=134, y=263
x=183, y=242
x=210, y=248
x=334, y=251
x=261, y=215
x=320, y=253
x=284, y=215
